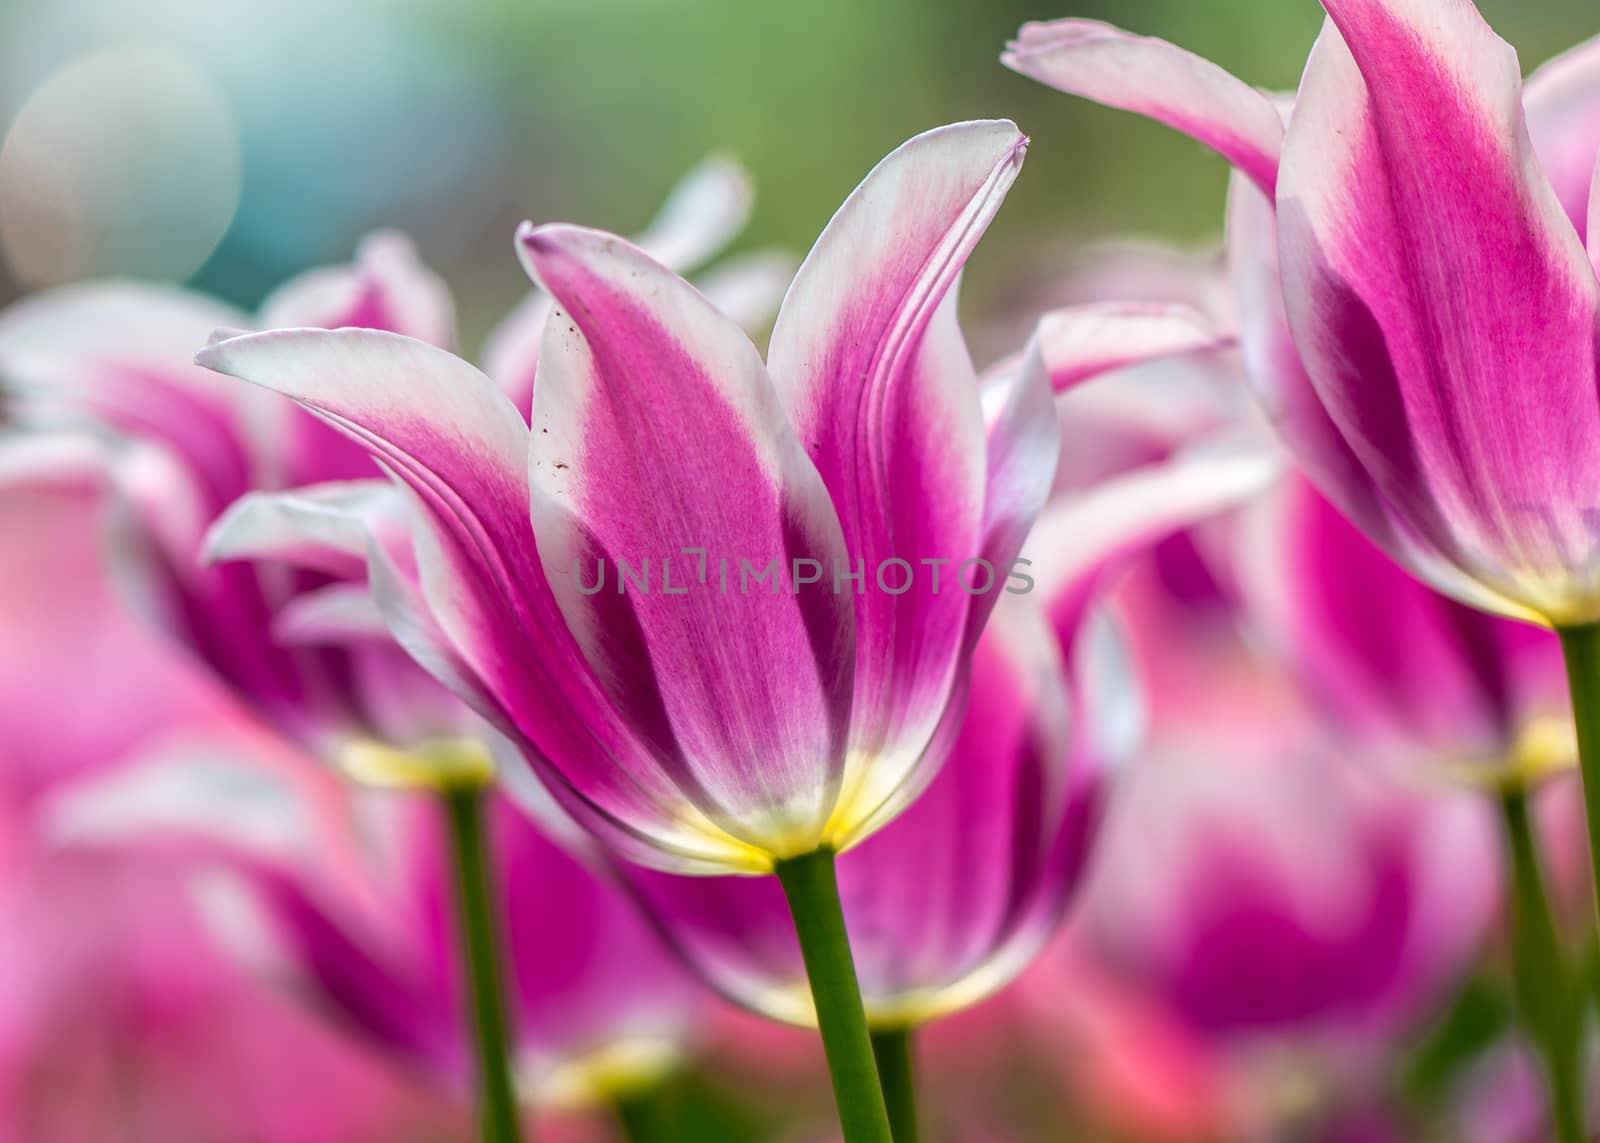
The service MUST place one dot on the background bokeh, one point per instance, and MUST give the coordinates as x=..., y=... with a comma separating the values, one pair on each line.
x=236, y=142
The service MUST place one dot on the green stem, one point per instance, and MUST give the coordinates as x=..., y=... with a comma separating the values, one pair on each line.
x=1551, y=1009
x=497, y=1102
x=1581, y=648
x=897, y=1070
x=812, y=889
x=639, y=1113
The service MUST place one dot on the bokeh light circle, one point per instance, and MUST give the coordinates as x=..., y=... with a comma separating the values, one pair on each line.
x=127, y=162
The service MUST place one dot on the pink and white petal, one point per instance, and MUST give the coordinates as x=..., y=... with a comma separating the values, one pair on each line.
x=386, y=287
x=659, y=443
x=748, y=288
x=1081, y=542
x=1023, y=439
x=869, y=359
x=1081, y=342
x=118, y=355
x=1444, y=306
x=701, y=215
x=1562, y=102
x=1153, y=78
x=323, y=527
x=1291, y=403
x=338, y=614
x=481, y=617
x=511, y=355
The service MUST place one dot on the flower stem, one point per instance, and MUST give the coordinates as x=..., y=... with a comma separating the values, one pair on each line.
x=1550, y=1007
x=812, y=889
x=497, y=1103
x=897, y=1070
x=1581, y=648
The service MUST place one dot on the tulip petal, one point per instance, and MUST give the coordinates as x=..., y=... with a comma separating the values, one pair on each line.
x=480, y=615
x=1081, y=541
x=1444, y=307
x=321, y=528
x=1081, y=342
x=701, y=215
x=1562, y=101
x=869, y=360
x=1023, y=439
x=387, y=287
x=1156, y=79
x=659, y=443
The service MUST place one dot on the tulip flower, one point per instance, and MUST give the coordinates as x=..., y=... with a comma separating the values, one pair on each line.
x=706, y=725
x=1296, y=919
x=599, y=1008
x=1419, y=305
x=1397, y=670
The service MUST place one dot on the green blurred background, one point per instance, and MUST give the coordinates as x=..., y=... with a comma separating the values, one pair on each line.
x=233, y=143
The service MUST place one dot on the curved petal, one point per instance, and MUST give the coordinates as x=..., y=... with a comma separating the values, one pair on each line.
x=660, y=448
x=386, y=287
x=480, y=615
x=322, y=527
x=1441, y=300
x=1562, y=101
x=117, y=355
x=869, y=360
x=1153, y=78
x=701, y=215
x=1080, y=342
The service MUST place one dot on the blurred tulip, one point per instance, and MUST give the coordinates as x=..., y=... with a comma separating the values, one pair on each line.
x=302, y=646
x=1399, y=671
x=1295, y=914
x=599, y=1009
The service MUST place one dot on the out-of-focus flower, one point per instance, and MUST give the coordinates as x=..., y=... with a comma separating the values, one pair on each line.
x=706, y=725
x=119, y=1011
x=1399, y=671
x=1442, y=392
x=1293, y=914
x=598, y=1007
x=303, y=646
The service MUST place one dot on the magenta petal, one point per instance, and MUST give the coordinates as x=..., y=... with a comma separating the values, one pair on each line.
x=1398, y=668
x=661, y=452
x=479, y=614
x=1442, y=302
x=953, y=897
x=1156, y=79
x=870, y=362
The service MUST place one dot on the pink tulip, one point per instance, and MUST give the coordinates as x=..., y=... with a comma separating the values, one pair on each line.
x=1399, y=671
x=598, y=1007
x=696, y=728
x=1442, y=393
